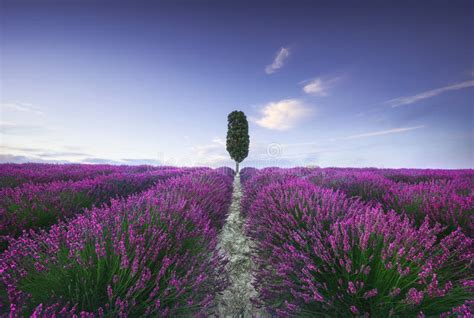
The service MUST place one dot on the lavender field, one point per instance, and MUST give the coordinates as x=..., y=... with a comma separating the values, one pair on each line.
x=361, y=242
x=236, y=159
x=135, y=241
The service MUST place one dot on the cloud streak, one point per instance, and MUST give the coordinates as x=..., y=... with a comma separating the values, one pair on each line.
x=284, y=114
x=406, y=100
x=384, y=132
x=280, y=58
x=21, y=130
x=9, y=158
x=212, y=154
x=22, y=107
x=46, y=158
x=319, y=86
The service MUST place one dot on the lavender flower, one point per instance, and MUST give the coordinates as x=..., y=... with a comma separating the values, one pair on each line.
x=152, y=254
x=319, y=252
x=35, y=206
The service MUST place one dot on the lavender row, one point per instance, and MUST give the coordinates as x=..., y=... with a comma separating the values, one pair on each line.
x=320, y=252
x=34, y=206
x=12, y=175
x=448, y=202
x=425, y=175
x=153, y=254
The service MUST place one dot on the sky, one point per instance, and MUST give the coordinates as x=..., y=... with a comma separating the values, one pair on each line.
x=323, y=83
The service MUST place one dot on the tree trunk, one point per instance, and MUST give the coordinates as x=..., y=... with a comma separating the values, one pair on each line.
x=236, y=167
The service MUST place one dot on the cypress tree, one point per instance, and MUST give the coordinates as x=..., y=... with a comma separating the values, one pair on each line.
x=237, y=137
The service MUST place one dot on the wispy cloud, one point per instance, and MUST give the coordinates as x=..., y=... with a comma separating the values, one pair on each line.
x=213, y=154
x=4, y=148
x=206, y=150
x=66, y=154
x=284, y=114
x=213, y=161
x=383, y=132
x=319, y=86
x=145, y=161
x=61, y=154
x=406, y=100
x=219, y=141
x=9, y=158
x=280, y=58
x=59, y=157
x=22, y=107
x=101, y=161
x=41, y=154
x=14, y=129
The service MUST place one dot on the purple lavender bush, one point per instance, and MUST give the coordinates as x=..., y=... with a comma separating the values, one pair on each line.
x=211, y=190
x=319, y=253
x=246, y=173
x=226, y=171
x=34, y=206
x=448, y=201
x=414, y=176
x=12, y=175
x=440, y=201
x=366, y=185
x=153, y=254
x=255, y=180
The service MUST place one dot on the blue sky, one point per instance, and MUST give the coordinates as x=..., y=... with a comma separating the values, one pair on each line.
x=322, y=83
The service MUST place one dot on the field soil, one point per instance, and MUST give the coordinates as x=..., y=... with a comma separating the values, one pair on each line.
x=236, y=299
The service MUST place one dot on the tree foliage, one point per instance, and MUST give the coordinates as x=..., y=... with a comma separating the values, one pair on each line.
x=237, y=136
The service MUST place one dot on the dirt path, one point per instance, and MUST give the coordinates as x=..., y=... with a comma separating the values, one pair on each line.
x=235, y=301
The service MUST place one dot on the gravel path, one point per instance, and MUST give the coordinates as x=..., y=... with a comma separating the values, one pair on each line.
x=235, y=301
